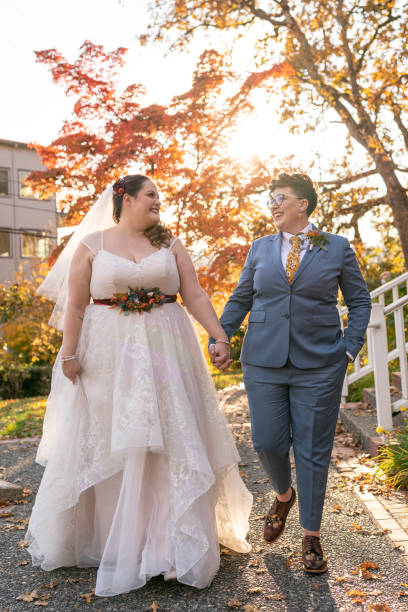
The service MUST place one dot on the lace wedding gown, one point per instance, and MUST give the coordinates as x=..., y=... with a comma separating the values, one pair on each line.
x=141, y=469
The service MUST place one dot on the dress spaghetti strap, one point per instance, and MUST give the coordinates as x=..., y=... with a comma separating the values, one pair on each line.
x=101, y=240
x=173, y=242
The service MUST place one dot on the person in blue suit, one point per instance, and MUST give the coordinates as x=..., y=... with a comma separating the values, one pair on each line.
x=294, y=355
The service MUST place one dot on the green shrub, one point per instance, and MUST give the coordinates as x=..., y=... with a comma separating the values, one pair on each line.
x=28, y=344
x=24, y=380
x=392, y=459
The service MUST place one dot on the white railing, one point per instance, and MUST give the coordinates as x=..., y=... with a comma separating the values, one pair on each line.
x=376, y=354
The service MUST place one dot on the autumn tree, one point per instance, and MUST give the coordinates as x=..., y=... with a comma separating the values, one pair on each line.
x=349, y=63
x=211, y=198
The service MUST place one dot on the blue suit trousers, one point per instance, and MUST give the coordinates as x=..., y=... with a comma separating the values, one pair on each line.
x=298, y=407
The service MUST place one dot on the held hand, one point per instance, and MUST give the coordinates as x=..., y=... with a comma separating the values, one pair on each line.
x=220, y=355
x=71, y=369
x=211, y=352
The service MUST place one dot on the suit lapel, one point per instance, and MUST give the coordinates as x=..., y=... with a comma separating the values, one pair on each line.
x=276, y=240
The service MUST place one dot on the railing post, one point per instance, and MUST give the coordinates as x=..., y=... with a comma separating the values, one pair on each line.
x=378, y=331
x=402, y=352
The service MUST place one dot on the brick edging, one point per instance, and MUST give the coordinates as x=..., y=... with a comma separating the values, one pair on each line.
x=381, y=514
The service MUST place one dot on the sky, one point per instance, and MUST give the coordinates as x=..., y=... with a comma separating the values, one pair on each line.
x=33, y=107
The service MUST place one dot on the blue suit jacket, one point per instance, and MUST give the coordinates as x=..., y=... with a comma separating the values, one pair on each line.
x=301, y=320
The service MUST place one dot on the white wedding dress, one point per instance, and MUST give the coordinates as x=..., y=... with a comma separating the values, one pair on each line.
x=141, y=469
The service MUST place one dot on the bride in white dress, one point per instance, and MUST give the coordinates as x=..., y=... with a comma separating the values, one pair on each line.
x=141, y=473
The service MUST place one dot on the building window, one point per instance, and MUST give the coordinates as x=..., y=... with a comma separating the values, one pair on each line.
x=25, y=190
x=5, y=243
x=35, y=243
x=4, y=181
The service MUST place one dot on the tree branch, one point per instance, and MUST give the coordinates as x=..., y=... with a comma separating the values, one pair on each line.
x=258, y=12
x=379, y=27
x=402, y=127
x=349, y=179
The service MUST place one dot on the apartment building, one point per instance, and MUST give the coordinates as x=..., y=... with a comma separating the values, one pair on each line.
x=28, y=225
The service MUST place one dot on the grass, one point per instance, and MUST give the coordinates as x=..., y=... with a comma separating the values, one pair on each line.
x=22, y=418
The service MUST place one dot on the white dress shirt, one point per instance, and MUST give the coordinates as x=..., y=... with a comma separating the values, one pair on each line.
x=286, y=246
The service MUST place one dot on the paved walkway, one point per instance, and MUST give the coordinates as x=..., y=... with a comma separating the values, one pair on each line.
x=366, y=571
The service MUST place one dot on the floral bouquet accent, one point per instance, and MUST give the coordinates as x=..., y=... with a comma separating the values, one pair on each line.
x=317, y=238
x=138, y=300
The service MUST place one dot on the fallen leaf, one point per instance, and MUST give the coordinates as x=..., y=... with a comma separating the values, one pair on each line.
x=51, y=585
x=155, y=606
x=234, y=603
x=27, y=596
x=363, y=570
x=375, y=593
x=403, y=594
x=225, y=551
x=6, y=514
x=317, y=585
x=41, y=602
x=22, y=544
x=254, y=590
x=357, y=527
x=250, y=608
x=336, y=509
x=260, y=517
x=380, y=607
x=276, y=596
x=356, y=595
x=88, y=596
x=254, y=563
x=262, y=570
x=345, y=578
x=23, y=563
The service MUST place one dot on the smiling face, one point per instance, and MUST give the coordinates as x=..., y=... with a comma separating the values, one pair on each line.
x=291, y=215
x=144, y=206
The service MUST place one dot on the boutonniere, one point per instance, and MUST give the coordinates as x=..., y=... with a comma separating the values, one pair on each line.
x=317, y=238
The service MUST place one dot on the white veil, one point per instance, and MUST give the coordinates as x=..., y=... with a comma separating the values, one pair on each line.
x=55, y=285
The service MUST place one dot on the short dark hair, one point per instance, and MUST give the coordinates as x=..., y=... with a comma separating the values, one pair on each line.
x=301, y=184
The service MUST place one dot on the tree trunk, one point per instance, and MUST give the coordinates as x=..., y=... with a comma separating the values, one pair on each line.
x=397, y=198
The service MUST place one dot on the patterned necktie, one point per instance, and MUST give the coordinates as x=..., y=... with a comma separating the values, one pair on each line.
x=293, y=260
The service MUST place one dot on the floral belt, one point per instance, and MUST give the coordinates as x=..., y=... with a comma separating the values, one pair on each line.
x=137, y=300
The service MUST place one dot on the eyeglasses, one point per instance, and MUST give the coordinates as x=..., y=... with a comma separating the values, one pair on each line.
x=277, y=201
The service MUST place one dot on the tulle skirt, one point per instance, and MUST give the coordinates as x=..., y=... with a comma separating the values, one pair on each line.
x=140, y=466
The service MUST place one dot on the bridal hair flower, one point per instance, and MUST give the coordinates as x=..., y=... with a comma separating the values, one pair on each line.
x=317, y=238
x=119, y=187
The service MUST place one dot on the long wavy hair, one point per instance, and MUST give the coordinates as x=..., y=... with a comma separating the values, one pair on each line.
x=158, y=234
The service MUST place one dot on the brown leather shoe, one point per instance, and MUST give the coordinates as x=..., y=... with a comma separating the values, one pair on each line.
x=313, y=557
x=276, y=518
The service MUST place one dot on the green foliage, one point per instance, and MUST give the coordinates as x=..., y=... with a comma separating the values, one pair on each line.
x=236, y=345
x=392, y=459
x=222, y=380
x=29, y=344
